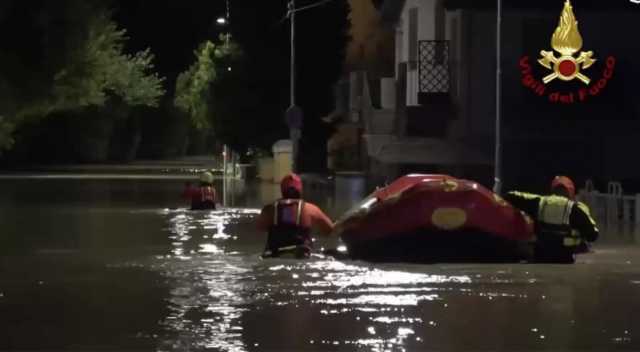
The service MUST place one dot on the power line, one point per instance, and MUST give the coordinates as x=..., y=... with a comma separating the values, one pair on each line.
x=289, y=11
x=320, y=3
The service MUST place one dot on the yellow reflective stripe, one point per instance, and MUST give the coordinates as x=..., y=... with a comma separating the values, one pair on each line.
x=587, y=211
x=524, y=195
x=584, y=208
x=571, y=242
x=555, y=210
x=567, y=212
x=541, y=207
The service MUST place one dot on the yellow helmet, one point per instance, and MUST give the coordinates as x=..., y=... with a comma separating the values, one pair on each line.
x=206, y=177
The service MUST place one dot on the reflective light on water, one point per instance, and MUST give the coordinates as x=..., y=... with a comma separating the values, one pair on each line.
x=347, y=290
x=200, y=275
x=221, y=288
x=206, y=299
x=210, y=248
x=405, y=332
x=386, y=300
x=392, y=320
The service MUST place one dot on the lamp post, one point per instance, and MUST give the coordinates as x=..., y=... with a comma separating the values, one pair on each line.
x=497, y=186
x=224, y=21
x=292, y=14
x=294, y=115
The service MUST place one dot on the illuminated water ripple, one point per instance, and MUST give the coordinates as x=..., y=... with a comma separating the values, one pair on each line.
x=224, y=298
x=206, y=298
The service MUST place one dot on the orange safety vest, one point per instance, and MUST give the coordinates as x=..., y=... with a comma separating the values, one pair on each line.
x=203, y=198
x=287, y=228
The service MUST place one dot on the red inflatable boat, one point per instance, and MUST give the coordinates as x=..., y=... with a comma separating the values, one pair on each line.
x=430, y=218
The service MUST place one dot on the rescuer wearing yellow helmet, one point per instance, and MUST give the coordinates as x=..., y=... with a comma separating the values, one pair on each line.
x=202, y=197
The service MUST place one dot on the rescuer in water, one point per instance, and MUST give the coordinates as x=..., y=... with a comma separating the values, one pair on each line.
x=290, y=220
x=564, y=226
x=202, y=197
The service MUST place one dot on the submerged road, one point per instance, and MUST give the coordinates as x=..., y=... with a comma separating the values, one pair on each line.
x=119, y=264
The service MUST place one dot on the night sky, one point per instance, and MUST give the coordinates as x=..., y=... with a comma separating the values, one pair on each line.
x=173, y=30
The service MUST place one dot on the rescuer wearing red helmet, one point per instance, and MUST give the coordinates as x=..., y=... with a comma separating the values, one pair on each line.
x=563, y=186
x=564, y=226
x=290, y=220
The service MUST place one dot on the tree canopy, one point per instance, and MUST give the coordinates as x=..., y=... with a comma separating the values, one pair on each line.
x=194, y=87
x=70, y=56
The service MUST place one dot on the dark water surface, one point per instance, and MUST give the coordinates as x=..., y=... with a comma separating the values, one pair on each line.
x=120, y=265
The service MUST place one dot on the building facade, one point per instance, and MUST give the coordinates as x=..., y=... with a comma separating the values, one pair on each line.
x=585, y=129
x=442, y=113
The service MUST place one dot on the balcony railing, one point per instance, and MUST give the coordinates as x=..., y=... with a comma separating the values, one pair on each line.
x=433, y=69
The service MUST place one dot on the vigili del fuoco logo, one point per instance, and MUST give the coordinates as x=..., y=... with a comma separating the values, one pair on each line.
x=566, y=66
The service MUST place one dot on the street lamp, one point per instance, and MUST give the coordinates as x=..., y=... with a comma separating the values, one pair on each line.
x=294, y=116
x=497, y=186
x=225, y=21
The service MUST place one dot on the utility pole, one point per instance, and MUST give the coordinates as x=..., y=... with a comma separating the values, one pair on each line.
x=497, y=186
x=292, y=14
x=224, y=175
x=294, y=115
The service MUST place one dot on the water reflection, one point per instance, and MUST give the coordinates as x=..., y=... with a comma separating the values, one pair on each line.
x=382, y=302
x=218, y=291
x=225, y=298
x=206, y=299
x=160, y=277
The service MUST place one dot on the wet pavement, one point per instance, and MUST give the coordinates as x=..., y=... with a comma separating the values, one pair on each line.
x=119, y=264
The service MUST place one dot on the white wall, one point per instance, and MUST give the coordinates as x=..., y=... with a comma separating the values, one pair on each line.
x=427, y=19
x=426, y=31
x=454, y=34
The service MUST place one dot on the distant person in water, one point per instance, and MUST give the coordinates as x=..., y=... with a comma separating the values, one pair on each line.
x=202, y=197
x=290, y=220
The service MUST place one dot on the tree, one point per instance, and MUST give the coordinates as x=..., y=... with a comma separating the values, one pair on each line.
x=71, y=56
x=6, y=132
x=372, y=44
x=103, y=69
x=194, y=86
x=198, y=90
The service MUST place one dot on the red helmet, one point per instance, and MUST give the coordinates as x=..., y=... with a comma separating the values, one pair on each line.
x=291, y=181
x=566, y=183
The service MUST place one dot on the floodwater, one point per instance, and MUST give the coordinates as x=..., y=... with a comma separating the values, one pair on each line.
x=119, y=264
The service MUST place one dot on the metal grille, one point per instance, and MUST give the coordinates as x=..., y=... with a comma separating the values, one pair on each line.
x=434, y=66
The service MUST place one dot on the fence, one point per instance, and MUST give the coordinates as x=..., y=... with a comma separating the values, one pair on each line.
x=613, y=207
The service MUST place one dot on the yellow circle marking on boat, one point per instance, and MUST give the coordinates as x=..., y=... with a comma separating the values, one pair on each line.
x=449, y=218
x=449, y=185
